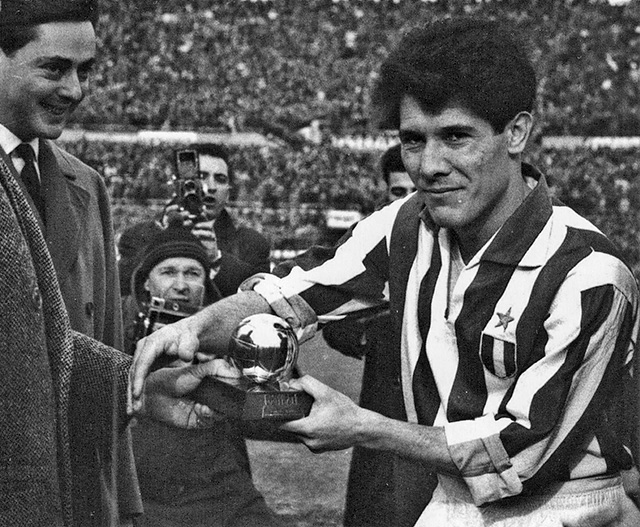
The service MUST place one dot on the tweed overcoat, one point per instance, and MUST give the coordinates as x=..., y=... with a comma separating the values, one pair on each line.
x=48, y=368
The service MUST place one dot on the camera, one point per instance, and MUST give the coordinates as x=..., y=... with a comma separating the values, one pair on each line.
x=159, y=313
x=190, y=192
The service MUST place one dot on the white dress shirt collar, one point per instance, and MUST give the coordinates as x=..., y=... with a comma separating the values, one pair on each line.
x=9, y=142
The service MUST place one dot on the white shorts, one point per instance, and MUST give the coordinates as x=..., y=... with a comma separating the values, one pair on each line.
x=593, y=502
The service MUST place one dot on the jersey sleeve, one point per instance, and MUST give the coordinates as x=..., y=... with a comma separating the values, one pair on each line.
x=351, y=278
x=558, y=421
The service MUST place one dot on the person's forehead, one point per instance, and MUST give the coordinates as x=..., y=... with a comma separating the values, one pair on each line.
x=452, y=114
x=181, y=263
x=74, y=41
x=213, y=165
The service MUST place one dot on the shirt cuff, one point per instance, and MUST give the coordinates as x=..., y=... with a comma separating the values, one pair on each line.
x=476, y=449
x=300, y=316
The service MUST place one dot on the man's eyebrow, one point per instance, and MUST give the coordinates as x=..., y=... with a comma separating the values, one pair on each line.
x=178, y=268
x=458, y=128
x=54, y=58
x=166, y=267
x=67, y=61
x=409, y=133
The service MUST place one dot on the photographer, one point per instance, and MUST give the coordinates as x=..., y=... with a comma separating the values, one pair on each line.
x=172, y=280
x=236, y=252
x=200, y=477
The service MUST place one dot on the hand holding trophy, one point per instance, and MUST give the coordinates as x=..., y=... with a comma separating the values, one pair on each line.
x=265, y=349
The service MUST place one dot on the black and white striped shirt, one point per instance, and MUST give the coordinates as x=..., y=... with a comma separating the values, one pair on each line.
x=523, y=361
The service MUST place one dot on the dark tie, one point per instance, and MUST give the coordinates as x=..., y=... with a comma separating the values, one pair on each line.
x=30, y=177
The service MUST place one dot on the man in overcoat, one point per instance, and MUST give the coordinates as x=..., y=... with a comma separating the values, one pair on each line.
x=57, y=382
x=72, y=207
x=61, y=416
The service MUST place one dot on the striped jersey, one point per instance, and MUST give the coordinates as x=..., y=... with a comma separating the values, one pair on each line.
x=522, y=355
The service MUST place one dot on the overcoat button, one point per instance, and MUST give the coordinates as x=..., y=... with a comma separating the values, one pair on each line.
x=36, y=299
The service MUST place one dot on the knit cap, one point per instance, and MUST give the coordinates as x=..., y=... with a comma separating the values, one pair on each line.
x=173, y=242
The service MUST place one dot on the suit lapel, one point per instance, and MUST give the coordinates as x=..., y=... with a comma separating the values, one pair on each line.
x=66, y=205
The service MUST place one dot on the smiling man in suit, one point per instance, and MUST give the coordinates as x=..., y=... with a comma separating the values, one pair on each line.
x=47, y=51
x=63, y=393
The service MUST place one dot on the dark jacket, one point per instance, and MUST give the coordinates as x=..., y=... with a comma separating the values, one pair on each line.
x=80, y=238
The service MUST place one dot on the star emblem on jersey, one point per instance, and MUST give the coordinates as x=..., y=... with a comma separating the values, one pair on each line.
x=505, y=318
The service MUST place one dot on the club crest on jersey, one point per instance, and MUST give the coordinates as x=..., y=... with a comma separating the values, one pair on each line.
x=498, y=355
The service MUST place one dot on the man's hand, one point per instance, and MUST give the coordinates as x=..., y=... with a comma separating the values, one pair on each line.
x=176, y=340
x=335, y=421
x=165, y=395
x=175, y=216
x=205, y=232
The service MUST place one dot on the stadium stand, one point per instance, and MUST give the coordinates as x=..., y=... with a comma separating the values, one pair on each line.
x=261, y=72
x=277, y=64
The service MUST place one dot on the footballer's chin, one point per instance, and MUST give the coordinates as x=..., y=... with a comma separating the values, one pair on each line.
x=448, y=217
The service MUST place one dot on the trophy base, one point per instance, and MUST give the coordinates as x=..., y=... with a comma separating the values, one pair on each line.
x=244, y=400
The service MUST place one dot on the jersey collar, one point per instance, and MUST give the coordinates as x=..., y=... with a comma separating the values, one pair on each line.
x=512, y=243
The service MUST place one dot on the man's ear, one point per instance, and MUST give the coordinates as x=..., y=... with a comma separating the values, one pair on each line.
x=518, y=131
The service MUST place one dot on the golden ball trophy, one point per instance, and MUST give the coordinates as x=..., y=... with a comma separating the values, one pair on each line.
x=265, y=349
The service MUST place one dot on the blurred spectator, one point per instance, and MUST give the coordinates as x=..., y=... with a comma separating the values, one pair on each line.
x=397, y=182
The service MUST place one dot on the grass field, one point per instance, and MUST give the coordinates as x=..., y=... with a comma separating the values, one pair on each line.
x=308, y=488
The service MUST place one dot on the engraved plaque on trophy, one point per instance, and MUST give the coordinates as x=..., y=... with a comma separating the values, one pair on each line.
x=264, y=348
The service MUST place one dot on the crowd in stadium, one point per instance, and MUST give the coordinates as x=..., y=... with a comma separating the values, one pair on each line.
x=272, y=66
x=249, y=65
